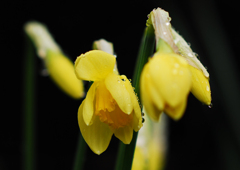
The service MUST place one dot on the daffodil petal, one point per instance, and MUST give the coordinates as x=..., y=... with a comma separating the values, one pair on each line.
x=176, y=112
x=118, y=90
x=124, y=134
x=156, y=161
x=137, y=115
x=139, y=159
x=97, y=136
x=61, y=70
x=171, y=74
x=146, y=98
x=200, y=86
x=155, y=94
x=94, y=65
x=88, y=107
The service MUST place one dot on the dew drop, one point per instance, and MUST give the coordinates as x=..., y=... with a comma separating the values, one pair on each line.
x=176, y=65
x=167, y=23
x=195, y=54
x=174, y=71
x=210, y=106
x=164, y=33
x=190, y=54
x=207, y=88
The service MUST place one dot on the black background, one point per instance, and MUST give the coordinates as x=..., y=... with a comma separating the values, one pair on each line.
x=203, y=139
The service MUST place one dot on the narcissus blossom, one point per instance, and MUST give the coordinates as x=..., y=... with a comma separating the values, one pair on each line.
x=110, y=107
x=61, y=70
x=165, y=84
x=59, y=67
x=172, y=72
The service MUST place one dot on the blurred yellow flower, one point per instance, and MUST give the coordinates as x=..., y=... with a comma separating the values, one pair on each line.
x=165, y=84
x=151, y=146
x=61, y=70
x=110, y=107
x=59, y=67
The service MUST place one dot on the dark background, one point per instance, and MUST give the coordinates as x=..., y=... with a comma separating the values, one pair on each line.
x=203, y=139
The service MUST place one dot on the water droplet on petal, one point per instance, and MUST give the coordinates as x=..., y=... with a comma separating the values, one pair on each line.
x=210, y=106
x=167, y=24
x=174, y=71
x=164, y=33
x=190, y=54
x=207, y=88
x=176, y=65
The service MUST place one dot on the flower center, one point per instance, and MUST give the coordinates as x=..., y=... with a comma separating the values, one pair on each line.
x=108, y=110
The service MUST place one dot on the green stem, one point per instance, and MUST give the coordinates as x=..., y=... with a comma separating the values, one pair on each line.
x=81, y=148
x=126, y=152
x=80, y=153
x=28, y=161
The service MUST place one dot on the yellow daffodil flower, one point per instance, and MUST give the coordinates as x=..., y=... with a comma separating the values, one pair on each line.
x=59, y=67
x=110, y=107
x=165, y=84
x=61, y=70
x=172, y=72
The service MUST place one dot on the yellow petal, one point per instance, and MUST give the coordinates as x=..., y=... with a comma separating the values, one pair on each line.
x=124, y=134
x=137, y=115
x=118, y=90
x=139, y=159
x=200, y=86
x=94, y=65
x=176, y=112
x=61, y=71
x=146, y=97
x=97, y=136
x=88, y=107
x=170, y=73
x=156, y=155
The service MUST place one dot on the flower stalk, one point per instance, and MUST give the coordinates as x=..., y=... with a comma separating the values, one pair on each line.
x=126, y=152
x=29, y=154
